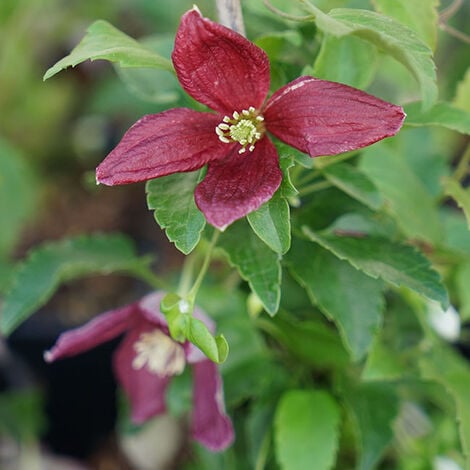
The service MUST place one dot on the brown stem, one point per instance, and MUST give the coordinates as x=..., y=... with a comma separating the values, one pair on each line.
x=230, y=15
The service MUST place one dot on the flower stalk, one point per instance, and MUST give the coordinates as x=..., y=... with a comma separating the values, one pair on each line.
x=230, y=14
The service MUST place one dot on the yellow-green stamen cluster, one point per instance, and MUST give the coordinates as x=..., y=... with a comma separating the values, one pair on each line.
x=245, y=127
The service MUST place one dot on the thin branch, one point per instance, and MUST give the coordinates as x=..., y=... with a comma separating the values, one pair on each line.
x=230, y=14
x=280, y=13
x=455, y=32
x=446, y=14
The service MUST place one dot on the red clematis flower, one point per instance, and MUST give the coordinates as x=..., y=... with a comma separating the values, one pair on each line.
x=146, y=360
x=223, y=70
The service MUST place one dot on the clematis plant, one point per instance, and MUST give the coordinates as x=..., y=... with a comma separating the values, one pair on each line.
x=224, y=71
x=148, y=358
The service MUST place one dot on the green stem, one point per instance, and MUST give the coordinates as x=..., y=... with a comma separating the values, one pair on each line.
x=313, y=188
x=191, y=297
x=151, y=279
x=280, y=13
x=463, y=167
x=263, y=452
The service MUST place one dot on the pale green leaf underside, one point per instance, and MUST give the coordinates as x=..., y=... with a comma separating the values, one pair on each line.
x=256, y=263
x=387, y=34
x=395, y=263
x=353, y=300
x=104, y=41
x=40, y=274
x=172, y=199
x=306, y=430
x=441, y=114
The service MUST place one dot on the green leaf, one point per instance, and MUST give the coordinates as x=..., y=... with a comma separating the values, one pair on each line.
x=419, y=15
x=104, y=41
x=271, y=222
x=441, y=114
x=306, y=430
x=348, y=60
x=345, y=295
x=18, y=193
x=462, y=97
x=172, y=199
x=461, y=196
x=413, y=207
x=396, y=263
x=387, y=34
x=355, y=183
x=444, y=366
x=255, y=262
x=216, y=349
x=375, y=407
x=40, y=274
x=462, y=281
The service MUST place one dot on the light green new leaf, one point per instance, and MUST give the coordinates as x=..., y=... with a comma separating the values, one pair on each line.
x=446, y=367
x=216, y=349
x=353, y=300
x=355, y=183
x=396, y=263
x=462, y=97
x=271, y=222
x=104, y=41
x=348, y=60
x=306, y=430
x=40, y=274
x=419, y=15
x=375, y=407
x=255, y=262
x=172, y=199
x=411, y=204
x=461, y=196
x=441, y=114
x=387, y=34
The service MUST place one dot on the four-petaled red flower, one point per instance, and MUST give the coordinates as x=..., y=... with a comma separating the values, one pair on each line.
x=230, y=75
x=148, y=358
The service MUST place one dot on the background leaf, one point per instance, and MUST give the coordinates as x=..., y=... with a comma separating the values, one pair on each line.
x=104, y=41
x=172, y=199
x=255, y=262
x=350, y=298
x=396, y=263
x=461, y=196
x=40, y=274
x=441, y=114
x=355, y=183
x=306, y=430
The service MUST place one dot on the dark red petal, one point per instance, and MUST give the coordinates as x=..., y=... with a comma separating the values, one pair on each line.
x=210, y=425
x=145, y=390
x=219, y=67
x=239, y=184
x=160, y=144
x=99, y=330
x=325, y=118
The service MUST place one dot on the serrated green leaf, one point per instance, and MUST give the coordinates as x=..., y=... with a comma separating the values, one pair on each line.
x=355, y=183
x=441, y=114
x=382, y=363
x=104, y=41
x=419, y=15
x=40, y=274
x=348, y=60
x=255, y=262
x=396, y=263
x=387, y=34
x=444, y=366
x=271, y=222
x=306, y=430
x=172, y=199
x=345, y=295
x=413, y=207
x=375, y=407
x=461, y=196
x=18, y=193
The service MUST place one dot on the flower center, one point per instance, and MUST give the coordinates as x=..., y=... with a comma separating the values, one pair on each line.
x=160, y=353
x=246, y=128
